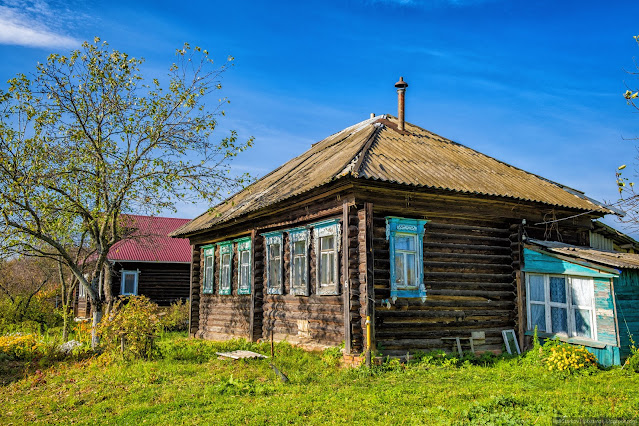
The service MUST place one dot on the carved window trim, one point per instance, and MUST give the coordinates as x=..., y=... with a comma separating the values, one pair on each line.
x=244, y=245
x=208, y=254
x=297, y=235
x=270, y=239
x=398, y=226
x=226, y=248
x=325, y=229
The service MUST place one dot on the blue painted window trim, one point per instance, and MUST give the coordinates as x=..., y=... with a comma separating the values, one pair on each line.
x=322, y=229
x=243, y=244
x=399, y=225
x=226, y=247
x=208, y=252
x=299, y=234
x=271, y=238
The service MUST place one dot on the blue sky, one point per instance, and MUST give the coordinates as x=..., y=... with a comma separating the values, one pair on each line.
x=535, y=84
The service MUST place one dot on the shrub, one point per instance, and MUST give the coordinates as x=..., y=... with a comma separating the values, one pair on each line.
x=176, y=316
x=19, y=346
x=131, y=327
x=564, y=357
x=633, y=359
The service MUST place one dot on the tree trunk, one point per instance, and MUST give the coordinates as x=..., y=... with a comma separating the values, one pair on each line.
x=108, y=293
x=97, y=316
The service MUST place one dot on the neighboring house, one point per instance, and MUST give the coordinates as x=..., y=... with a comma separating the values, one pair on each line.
x=605, y=237
x=389, y=221
x=148, y=262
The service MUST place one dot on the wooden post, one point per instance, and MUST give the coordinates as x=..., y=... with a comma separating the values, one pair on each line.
x=252, y=307
x=346, y=290
x=370, y=288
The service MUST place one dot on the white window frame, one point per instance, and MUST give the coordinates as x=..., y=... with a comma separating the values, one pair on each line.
x=321, y=230
x=209, y=262
x=415, y=284
x=136, y=274
x=81, y=291
x=274, y=285
x=569, y=306
x=296, y=235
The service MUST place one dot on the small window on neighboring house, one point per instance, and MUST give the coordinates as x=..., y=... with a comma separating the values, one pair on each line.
x=327, y=243
x=207, y=282
x=226, y=258
x=273, y=242
x=406, y=244
x=299, y=239
x=81, y=291
x=561, y=304
x=244, y=265
x=129, y=283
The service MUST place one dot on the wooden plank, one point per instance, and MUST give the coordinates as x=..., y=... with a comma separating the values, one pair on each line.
x=252, y=307
x=345, y=279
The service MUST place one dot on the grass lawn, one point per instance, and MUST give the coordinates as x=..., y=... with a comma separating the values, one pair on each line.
x=189, y=385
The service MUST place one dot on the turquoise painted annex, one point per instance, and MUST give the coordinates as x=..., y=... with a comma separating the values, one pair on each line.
x=575, y=299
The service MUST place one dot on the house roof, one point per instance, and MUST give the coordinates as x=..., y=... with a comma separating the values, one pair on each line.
x=621, y=239
x=603, y=257
x=375, y=149
x=149, y=241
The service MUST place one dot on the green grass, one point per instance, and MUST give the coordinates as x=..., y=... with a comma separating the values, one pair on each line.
x=189, y=385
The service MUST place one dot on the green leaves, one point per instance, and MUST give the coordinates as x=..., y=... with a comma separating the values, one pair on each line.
x=87, y=139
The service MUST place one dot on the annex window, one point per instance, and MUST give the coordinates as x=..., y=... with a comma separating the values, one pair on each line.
x=207, y=281
x=226, y=259
x=561, y=304
x=406, y=244
x=244, y=265
x=273, y=241
x=129, y=285
x=299, y=239
x=327, y=243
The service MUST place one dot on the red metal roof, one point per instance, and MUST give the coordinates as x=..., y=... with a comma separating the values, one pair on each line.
x=149, y=241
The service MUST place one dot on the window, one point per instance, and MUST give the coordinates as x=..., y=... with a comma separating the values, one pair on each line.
x=299, y=261
x=81, y=291
x=129, y=283
x=327, y=242
x=244, y=265
x=226, y=257
x=207, y=282
x=406, y=244
x=561, y=304
x=273, y=242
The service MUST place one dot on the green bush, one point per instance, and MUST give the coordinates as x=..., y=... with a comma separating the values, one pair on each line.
x=176, y=316
x=131, y=327
x=33, y=317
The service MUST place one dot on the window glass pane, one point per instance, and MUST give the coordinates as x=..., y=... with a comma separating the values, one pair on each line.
x=327, y=243
x=274, y=266
x=129, y=283
x=299, y=272
x=404, y=242
x=399, y=269
x=582, y=291
x=538, y=317
x=274, y=251
x=583, y=326
x=244, y=280
x=298, y=247
x=246, y=257
x=559, y=318
x=536, y=284
x=411, y=269
x=557, y=290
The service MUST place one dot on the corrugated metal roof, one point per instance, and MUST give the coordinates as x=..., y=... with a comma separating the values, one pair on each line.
x=375, y=149
x=150, y=241
x=603, y=257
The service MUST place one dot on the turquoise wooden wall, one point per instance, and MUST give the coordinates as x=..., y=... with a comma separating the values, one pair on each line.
x=607, y=351
x=627, y=295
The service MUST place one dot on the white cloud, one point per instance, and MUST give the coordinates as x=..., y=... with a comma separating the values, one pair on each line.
x=35, y=24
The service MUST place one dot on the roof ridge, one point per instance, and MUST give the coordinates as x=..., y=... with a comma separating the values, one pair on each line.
x=378, y=126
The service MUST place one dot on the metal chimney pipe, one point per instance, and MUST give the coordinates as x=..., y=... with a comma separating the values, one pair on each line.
x=401, y=90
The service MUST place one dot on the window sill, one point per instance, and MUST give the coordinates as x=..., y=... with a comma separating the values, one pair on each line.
x=573, y=340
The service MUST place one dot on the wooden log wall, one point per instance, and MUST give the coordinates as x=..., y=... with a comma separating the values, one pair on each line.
x=224, y=317
x=194, y=318
x=311, y=321
x=353, y=290
x=257, y=289
x=470, y=284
